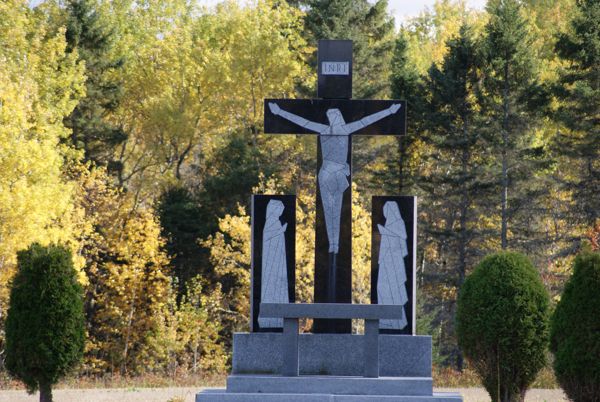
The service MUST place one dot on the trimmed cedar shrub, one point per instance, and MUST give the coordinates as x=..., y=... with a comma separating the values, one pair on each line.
x=45, y=327
x=502, y=324
x=575, y=332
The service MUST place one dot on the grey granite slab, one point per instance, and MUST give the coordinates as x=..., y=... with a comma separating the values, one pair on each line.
x=330, y=310
x=220, y=395
x=332, y=354
x=273, y=384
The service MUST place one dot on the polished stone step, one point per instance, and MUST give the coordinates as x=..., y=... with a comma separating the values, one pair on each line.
x=274, y=384
x=220, y=395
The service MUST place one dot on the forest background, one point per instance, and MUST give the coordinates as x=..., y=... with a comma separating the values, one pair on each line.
x=131, y=131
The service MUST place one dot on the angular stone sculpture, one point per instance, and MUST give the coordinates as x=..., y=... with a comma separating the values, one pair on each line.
x=274, y=282
x=335, y=169
x=391, y=282
x=273, y=256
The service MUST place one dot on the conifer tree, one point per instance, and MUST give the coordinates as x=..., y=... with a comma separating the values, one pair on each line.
x=91, y=36
x=406, y=84
x=182, y=224
x=371, y=29
x=579, y=92
x=510, y=80
x=45, y=327
x=453, y=182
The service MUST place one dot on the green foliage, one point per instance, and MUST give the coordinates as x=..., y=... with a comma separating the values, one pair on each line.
x=182, y=224
x=45, y=327
x=575, y=331
x=169, y=97
x=578, y=90
x=405, y=83
x=91, y=37
x=455, y=182
x=502, y=324
x=370, y=28
x=510, y=76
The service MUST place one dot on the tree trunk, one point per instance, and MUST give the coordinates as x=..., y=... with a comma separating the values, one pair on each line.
x=401, y=158
x=505, y=145
x=45, y=392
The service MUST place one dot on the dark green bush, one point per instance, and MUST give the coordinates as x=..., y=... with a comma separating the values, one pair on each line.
x=45, y=323
x=502, y=324
x=575, y=332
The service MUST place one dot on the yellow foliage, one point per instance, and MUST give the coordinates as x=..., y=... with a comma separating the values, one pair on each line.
x=196, y=75
x=39, y=86
x=230, y=250
x=187, y=337
x=428, y=33
x=127, y=275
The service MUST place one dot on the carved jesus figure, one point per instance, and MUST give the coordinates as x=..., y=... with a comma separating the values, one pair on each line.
x=335, y=169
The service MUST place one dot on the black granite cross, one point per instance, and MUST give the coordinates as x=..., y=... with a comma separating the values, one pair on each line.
x=335, y=118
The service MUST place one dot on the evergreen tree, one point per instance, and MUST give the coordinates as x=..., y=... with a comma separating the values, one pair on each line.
x=371, y=29
x=91, y=36
x=510, y=81
x=502, y=324
x=45, y=327
x=575, y=331
x=398, y=175
x=579, y=92
x=453, y=182
x=182, y=225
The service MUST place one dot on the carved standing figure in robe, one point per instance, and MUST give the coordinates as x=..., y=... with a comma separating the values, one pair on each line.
x=391, y=280
x=274, y=280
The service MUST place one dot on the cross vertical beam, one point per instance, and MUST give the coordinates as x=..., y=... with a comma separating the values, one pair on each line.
x=335, y=119
x=333, y=271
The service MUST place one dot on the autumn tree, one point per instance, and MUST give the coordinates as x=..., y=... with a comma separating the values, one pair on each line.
x=40, y=86
x=188, y=335
x=197, y=78
x=126, y=272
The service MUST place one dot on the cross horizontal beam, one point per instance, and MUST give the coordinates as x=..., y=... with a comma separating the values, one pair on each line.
x=315, y=110
x=331, y=310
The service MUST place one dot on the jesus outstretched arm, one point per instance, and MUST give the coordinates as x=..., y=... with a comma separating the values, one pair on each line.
x=301, y=121
x=368, y=120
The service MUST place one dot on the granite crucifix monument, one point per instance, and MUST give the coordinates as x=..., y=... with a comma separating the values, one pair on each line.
x=273, y=362
x=335, y=119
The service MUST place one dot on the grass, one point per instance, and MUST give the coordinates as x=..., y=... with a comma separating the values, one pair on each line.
x=443, y=377
x=127, y=382
x=446, y=377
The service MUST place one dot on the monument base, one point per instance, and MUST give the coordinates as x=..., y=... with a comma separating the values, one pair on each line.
x=221, y=395
x=332, y=354
x=331, y=368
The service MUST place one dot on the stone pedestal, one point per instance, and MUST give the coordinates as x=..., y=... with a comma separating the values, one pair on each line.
x=331, y=369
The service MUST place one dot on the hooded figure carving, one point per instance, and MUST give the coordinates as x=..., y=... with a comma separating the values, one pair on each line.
x=391, y=281
x=274, y=280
